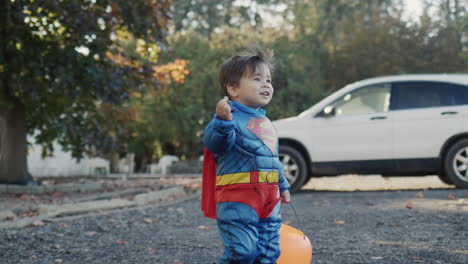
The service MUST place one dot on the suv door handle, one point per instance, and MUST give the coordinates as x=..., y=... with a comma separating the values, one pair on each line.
x=449, y=113
x=378, y=118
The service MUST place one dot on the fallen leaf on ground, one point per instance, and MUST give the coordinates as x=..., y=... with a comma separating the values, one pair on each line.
x=36, y=199
x=441, y=216
x=419, y=195
x=90, y=234
x=56, y=195
x=38, y=223
x=151, y=251
x=58, y=261
x=62, y=225
x=121, y=242
x=148, y=220
x=451, y=197
x=376, y=258
x=370, y=203
x=56, y=246
x=409, y=205
x=24, y=196
x=28, y=213
x=202, y=227
x=340, y=222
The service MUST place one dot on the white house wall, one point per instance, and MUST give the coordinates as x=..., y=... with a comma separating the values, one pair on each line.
x=62, y=164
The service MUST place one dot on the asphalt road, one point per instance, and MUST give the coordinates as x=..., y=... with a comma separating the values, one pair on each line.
x=394, y=227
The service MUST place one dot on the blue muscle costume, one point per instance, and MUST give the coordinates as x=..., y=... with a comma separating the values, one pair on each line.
x=249, y=180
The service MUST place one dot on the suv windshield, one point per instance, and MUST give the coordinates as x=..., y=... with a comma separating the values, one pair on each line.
x=370, y=99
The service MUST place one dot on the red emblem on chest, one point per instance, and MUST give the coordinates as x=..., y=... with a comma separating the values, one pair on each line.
x=264, y=130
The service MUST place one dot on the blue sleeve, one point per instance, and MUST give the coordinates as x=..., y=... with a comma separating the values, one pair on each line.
x=219, y=135
x=282, y=181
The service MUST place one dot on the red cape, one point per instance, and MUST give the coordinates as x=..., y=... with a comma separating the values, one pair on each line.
x=208, y=200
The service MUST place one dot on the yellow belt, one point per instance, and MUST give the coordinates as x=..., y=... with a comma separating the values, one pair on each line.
x=247, y=177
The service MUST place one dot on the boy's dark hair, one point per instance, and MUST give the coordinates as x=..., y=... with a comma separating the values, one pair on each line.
x=249, y=60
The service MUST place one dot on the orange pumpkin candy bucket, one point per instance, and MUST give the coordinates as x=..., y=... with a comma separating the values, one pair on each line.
x=295, y=246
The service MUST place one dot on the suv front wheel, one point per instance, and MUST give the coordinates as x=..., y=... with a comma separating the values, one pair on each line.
x=294, y=167
x=456, y=164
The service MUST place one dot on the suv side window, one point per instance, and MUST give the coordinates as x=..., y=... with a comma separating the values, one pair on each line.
x=464, y=92
x=410, y=95
x=366, y=100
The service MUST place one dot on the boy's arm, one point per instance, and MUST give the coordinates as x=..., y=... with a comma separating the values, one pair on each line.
x=219, y=135
x=283, y=186
x=282, y=181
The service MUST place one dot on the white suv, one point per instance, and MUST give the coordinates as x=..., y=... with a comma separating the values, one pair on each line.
x=403, y=125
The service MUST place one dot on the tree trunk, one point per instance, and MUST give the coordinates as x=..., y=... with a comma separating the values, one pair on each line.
x=145, y=160
x=114, y=158
x=13, y=144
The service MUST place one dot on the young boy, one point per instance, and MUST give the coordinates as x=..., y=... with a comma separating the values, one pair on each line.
x=250, y=184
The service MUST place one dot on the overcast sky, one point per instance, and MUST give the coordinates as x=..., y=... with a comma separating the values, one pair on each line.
x=413, y=8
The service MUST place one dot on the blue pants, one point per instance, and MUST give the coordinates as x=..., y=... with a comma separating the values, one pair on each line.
x=248, y=239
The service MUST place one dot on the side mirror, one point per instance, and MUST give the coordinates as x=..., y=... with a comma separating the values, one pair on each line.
x=328, y=111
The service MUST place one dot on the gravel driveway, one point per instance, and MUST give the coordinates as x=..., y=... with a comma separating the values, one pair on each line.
x=394, y=227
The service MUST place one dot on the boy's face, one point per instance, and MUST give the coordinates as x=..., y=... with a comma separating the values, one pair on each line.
x=254, y=88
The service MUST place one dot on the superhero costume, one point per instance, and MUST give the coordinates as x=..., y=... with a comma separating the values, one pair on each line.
x=249, y=180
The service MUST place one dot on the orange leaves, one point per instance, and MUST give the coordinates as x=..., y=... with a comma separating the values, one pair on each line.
x=122, y=61
x=132, y=113
x=172, y=72
x=175, y=71
x=115, y=8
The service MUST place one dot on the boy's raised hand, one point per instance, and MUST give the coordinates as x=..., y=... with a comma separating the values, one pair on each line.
x=223, y=109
